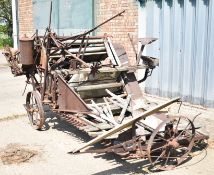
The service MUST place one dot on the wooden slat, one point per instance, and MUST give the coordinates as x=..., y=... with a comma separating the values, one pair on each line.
x=114, y=52
x=104, y=69
x=97, y=127
x=98, y=86
x=86, y=54
x=126, y=124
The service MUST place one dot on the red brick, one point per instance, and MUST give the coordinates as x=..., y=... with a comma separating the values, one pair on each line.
x=26, y=18
x=121, y=26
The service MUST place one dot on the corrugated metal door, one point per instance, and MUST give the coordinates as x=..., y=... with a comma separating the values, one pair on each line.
x=68, y=16
x=185, y=29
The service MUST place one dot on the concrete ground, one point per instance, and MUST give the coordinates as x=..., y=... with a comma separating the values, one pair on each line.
x=11, y=89
x=52, y=145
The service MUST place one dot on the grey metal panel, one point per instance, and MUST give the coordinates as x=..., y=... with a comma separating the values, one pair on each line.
x=75, y=16
x=68, y=16
x=209, y=71
x=41, y=10
x=185, y=29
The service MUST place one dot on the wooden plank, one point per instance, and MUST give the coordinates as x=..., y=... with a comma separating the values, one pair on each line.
x=109, y=52
x=119, y=99
x=108, y=107
x=96, y=127
x=102, y=115
x=98, y=86
x=90, y=129
x=122, y=114
x=118, y=104
x=104, y=126
x=85, y=54
x=89, y=49
x=89, y=122
x=112, y=106
x=125, y=124
x=96, y=117
x=117, y=60
x=104, y=69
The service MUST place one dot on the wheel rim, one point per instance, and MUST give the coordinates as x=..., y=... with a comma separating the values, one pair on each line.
x=171, y=142
x=35, y=109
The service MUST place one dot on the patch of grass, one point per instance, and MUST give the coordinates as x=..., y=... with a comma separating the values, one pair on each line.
x=4, y=38
x=12, y=117
x=5, y=41
x=3, y=29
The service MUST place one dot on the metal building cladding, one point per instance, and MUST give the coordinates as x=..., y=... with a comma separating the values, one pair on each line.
x=185, y=29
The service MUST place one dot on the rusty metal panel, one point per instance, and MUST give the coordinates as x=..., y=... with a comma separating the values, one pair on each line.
x=68, y=100
x=185, y=48
x=26, y=51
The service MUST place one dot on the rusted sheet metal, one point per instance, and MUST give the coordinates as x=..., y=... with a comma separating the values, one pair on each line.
x=132, y=87
x=26, y=51
x=12, y=60
x=68, y=99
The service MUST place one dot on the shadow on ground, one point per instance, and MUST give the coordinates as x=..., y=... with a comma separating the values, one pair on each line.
x=131, y=166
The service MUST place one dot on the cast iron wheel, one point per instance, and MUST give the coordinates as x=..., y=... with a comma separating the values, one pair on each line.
x=35, y=110
x=170, y=143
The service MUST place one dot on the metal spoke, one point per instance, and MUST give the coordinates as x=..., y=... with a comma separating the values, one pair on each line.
x=159, y=157
x=153, y=150
x=167, y=157
x=177, y=126
x=174, y=152
x=35, y=109
x=161, y=139
x=183, y=131
x=171, y=157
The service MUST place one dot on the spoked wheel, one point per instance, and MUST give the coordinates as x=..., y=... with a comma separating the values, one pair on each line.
x=171, y=142
x=35, y=109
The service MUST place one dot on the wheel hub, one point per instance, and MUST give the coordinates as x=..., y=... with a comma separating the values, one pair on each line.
x=173, y=143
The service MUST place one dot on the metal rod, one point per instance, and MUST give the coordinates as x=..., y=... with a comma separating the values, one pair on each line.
x=83, y=53
x=93, y=29
x=50, y=18
x=78, y=59
x=48, y=54
x=132, y=43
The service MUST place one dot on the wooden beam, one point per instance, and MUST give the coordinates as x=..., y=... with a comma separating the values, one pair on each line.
x=105, y=69
x=126, y=124
x=98, y=86
x=119, y=99
x=122, y=114
x=118, y=104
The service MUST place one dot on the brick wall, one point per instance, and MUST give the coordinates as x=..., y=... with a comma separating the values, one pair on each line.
x=104, y=9
x=25, y=18
x=121, y=26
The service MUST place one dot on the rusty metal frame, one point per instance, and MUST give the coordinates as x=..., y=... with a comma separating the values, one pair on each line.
x=88, y=81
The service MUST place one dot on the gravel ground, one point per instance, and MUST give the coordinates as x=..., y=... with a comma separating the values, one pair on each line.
x=50, y=147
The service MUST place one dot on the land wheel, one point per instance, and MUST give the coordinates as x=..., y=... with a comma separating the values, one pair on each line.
x=35, y=110
x=170, y=143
